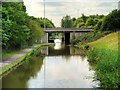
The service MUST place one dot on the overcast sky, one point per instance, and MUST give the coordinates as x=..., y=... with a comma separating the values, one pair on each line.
x=56, y=9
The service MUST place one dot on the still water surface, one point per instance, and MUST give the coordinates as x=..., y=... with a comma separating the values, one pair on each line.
x=59, y=68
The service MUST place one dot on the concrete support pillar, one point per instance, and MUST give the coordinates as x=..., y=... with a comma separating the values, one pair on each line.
x=71, y=35
x=45, y=38
x=67, y=38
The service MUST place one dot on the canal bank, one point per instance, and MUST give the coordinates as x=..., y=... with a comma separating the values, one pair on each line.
x=15, y=61
x=103, y=56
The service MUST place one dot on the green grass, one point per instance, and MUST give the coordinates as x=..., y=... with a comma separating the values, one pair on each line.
x=103, y=55
x=42, y=43
x=6, y=54
x=88, y=37
x=108, y=42
x=6, y=68
x=106, y=65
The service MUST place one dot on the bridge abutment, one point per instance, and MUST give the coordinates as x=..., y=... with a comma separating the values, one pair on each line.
x=75, y=34
x=45, y=38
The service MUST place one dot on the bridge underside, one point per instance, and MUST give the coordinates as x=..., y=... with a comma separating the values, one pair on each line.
x=67, y=37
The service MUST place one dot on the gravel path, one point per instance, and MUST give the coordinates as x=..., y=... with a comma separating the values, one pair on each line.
x=13, y=58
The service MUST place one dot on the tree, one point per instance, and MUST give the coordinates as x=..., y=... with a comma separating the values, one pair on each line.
x=14, y=25
x=48, y=23
x=90, y=22
x=36, y=31
x=18, y=29
x=86, y=21
x=98, y=25
x=84, y=18
x=66, y=22
x=111, y=21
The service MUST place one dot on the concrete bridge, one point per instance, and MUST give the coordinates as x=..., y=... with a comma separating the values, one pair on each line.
x=67, y=32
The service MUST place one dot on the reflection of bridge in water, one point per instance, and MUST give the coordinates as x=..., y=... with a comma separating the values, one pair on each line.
x=68, y=32
x=67, y=50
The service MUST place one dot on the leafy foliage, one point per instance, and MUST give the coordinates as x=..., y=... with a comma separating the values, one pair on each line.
x=66, y=22
x=18, y=29
x=91, y=21
x=98, y=25
x=48, y=23
x=111, y=21
x=14, y=21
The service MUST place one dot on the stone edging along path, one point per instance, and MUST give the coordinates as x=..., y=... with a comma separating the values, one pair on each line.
x=16, y=57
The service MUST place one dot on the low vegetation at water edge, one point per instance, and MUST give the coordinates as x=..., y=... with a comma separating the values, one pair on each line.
x=103, y=55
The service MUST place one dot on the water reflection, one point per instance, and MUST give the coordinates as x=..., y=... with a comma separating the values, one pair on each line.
x=68, y=72
x=63, y=68
x=57, y=46
x=19, y=77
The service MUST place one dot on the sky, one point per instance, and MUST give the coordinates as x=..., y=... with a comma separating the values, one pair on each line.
x=56, y=9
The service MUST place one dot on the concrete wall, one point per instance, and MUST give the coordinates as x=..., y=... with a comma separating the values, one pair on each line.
x=45, y=38
x=44, y=50
x=76, y=35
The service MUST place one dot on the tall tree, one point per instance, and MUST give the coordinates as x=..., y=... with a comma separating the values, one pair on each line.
x=111, y=21
x=14, y=25
x=90, y=22
x=66, y=22
x=84, y=18
x=49, y=23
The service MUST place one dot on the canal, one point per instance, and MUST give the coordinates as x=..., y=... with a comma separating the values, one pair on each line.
x=59, y=67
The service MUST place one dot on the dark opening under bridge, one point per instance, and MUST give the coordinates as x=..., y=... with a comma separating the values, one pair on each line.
x=67, y=31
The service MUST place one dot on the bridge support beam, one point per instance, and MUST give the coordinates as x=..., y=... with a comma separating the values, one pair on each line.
x=67, y=38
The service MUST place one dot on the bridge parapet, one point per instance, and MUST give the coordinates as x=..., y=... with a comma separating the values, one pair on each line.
x=62, y=30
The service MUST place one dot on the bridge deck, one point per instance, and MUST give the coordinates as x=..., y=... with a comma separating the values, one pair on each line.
x=62, y=30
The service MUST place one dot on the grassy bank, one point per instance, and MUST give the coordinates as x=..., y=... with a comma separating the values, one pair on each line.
x=108, y=42
x=89, y=37
x=20, y=60
x=6, y=54
x=103, y=57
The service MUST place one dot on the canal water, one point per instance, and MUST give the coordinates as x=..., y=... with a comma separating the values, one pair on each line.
x=63, y=67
